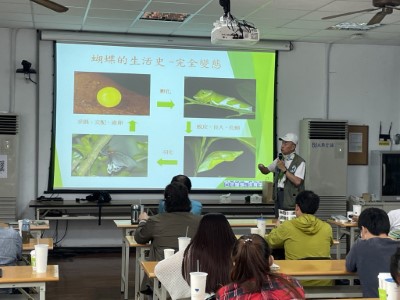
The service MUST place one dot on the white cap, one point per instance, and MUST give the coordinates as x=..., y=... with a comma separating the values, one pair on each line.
x=290, y=137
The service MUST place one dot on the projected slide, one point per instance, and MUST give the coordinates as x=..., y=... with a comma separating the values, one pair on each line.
x=129, y=118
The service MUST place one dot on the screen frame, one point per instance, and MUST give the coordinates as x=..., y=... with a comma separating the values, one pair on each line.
x=50, y=185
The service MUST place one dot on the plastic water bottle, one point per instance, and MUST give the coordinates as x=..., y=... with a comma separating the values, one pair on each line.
x=135, y=211
x=26, y=231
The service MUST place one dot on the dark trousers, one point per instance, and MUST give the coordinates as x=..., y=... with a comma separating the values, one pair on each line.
x=278, y=202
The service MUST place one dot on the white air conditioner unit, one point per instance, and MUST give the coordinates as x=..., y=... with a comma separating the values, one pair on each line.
x=323, y=145
x=9, y=126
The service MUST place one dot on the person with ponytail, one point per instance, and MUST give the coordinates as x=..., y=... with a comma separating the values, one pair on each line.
x=252, y=277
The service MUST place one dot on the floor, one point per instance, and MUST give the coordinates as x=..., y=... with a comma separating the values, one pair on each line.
x=88, y=275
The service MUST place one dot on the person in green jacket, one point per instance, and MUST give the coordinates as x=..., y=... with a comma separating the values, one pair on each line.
x=306, y=236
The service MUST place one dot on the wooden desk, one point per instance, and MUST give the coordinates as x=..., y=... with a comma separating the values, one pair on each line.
x=23, y=276
x=35, y=225
x=129, y=241
x=39, y=225
x=299, y=269
x=32, y=242
x=148, y=267
x=159, y=291
x=316, y=269
x=126, y=227
x=321, y=269
x=239, y=223
x=348, y=228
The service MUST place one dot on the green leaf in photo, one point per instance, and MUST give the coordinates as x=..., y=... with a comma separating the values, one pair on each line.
x=217, y=157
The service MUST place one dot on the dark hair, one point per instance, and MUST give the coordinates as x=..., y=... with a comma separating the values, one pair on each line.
x=183, y=179
x=375, y=220
x=394, y=266
x=250, y=255
x=176, y=198
x=211, y=247
x=308, y=202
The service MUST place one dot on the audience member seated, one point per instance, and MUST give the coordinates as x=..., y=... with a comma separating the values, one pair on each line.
x=394, y=220
x=196, y=205
x=10, y=249
x=211, y=247
x=163, y=230
x=305, y=236
x=252, y=277
x=371, y=254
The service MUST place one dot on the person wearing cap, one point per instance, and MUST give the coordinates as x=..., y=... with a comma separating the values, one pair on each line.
x=290, y=170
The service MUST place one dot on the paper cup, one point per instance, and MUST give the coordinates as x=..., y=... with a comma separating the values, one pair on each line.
x=198, y=285
x=183, y=242
x=382, y=279
x=254, y=230
x=41, y=251
x=357, y=209
x=33, y=260
x=392, y=290
x=382, y=294
x=261, y=227
x=168, y=252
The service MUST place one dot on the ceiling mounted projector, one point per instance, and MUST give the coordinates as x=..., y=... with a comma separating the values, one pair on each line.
x=230, y=31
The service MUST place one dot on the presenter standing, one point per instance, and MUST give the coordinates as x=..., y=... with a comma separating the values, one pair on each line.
x=289, y=170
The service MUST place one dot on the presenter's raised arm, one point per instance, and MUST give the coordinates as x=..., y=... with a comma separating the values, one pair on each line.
x=263, y=169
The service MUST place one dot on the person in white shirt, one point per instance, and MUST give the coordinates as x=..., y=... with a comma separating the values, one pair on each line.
x=394, y=219
x=210, y=248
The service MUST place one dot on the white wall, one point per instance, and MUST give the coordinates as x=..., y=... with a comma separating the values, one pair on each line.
x=363, y=89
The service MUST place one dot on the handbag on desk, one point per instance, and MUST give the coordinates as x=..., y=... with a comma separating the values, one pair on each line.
x=100, y=197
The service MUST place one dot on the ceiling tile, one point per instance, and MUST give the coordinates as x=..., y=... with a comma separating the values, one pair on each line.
x=300, y=4
x=346, y=6
x=296, y=20
x=113, y=14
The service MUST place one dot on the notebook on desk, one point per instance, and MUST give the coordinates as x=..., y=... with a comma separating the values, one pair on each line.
x=339, y=218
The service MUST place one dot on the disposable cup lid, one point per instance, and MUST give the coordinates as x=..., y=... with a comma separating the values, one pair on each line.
x=199, y=273
x=384, y=275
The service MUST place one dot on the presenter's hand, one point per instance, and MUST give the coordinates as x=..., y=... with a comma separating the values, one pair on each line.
x=281, y=165
x=263, y=169
x=143, y=216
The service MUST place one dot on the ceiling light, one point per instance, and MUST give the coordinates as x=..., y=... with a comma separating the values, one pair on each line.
x=164, y=16
x=353, y=26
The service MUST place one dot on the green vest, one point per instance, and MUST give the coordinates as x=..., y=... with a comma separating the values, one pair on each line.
x=290, y=191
